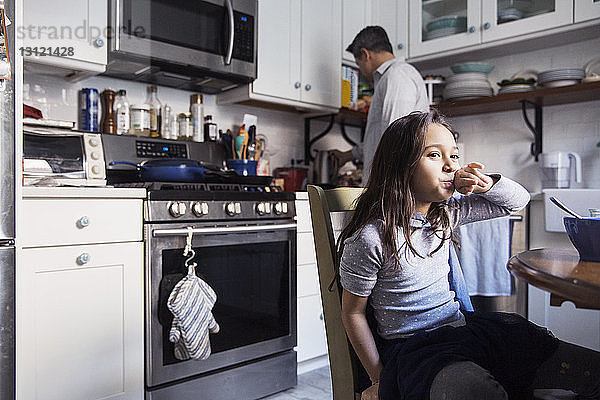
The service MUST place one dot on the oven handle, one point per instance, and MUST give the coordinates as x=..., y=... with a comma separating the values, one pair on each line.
x=222, y=229
x=229, y=50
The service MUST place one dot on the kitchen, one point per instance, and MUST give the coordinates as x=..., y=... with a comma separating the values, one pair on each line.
x=281, y=116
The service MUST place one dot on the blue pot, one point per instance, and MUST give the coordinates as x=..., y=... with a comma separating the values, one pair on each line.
x=242, y=167
x=585, y=236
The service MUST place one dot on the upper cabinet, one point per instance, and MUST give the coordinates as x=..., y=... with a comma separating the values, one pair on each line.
x=392, y=15
x=66, y=34
x=438, y=26
x=586, y=10
x=299, y=62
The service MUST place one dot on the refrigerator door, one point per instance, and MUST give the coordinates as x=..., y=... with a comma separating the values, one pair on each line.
x=7, y=132
x=7, y=322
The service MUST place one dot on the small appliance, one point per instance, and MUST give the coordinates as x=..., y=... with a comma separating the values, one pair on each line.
x=325, y=168
x=556, y=169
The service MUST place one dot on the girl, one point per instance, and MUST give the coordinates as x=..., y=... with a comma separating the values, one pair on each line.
x=394, y=261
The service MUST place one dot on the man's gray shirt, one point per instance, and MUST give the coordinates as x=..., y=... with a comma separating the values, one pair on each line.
x=399, y=90
x=417, y=295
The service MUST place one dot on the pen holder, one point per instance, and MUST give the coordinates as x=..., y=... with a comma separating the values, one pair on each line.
x=242, y=167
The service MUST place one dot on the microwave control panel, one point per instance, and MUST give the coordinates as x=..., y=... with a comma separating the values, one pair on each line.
x=243, y=44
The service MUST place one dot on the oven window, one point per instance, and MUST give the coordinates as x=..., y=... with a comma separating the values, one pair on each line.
x=64, y=154
x=252, y=283
x=197, y=24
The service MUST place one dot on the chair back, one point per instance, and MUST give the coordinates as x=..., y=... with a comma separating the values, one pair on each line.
x=343, y=361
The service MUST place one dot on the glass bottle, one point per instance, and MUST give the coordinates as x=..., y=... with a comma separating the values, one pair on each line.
x=185, y=126
x=154, y=106
x=169, y=123
x=210, y=129
x=140, y=120
x=196, y=109
x=122, y=115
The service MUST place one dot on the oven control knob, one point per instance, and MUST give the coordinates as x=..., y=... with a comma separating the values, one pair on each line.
x=278, y=207
x=177, y=208
x=263, y=208
x=199, y=208
x=230, y=209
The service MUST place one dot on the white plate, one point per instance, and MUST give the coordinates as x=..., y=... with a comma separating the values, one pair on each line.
x=561, y=82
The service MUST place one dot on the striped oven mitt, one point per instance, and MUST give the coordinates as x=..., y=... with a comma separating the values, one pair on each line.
x=191, y=302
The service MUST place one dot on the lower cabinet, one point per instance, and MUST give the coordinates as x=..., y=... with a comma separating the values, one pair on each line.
x=83, y=333
x=312, y=342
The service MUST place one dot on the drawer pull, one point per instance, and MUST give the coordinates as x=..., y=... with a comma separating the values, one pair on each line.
x=83, y=222
x=83, y=258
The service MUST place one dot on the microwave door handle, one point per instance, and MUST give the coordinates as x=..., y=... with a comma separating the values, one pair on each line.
x=223, y=229
x=229, y=51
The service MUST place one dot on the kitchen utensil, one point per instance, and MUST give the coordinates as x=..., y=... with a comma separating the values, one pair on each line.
x=556, y=169
x=167, y=170
x=566, y=209
x=239, y=143
x=584, y=234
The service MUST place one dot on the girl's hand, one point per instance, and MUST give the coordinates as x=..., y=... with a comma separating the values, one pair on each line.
x=469, y=179
x=370, y=393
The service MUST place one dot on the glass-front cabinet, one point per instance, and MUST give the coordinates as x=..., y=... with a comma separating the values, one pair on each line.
x=452, y=24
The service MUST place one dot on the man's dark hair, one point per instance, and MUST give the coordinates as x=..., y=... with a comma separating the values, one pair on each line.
x=372, y=38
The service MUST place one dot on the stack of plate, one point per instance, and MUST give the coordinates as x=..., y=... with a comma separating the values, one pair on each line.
x=509, y=14
x=560, y=77
x=467, y=85
x=444, y=26
x=517, y=87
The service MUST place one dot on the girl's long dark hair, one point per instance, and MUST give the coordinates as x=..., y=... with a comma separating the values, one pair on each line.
x=388, y=195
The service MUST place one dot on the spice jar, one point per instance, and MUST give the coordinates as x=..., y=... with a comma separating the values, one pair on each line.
x=184, y=121
x=140, y=120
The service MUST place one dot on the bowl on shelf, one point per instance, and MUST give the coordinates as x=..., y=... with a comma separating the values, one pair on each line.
x=447, y=21
x=483, y=68
x=584, y=234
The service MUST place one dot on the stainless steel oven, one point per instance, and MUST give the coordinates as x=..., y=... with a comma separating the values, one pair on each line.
x=248, y=256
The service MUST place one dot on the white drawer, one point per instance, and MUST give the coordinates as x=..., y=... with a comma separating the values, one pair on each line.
x=308, y=280
x=303, y=216
x=306, y=249
x=311, y=329
x=49, y=222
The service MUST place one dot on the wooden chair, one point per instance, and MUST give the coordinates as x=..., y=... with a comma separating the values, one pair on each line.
x=343, y=362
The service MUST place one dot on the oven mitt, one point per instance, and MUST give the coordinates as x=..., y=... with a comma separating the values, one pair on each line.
x=191, y=302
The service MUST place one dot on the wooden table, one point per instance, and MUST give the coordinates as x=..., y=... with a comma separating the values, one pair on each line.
x=560, y=272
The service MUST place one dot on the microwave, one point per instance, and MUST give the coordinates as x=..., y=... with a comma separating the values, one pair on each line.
x=62, y=157
x=207, y=46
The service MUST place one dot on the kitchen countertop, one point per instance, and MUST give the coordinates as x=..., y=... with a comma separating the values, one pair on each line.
x=84, y=192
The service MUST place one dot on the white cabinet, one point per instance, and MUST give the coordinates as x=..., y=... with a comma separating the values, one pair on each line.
x=392, y=15
x=80, y=299
x=438, y=26
x=312, y=342
x=299, y=63
x=67, y=34
x=586, y=10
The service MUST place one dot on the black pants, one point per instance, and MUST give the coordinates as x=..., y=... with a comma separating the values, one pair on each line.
x=571, y=367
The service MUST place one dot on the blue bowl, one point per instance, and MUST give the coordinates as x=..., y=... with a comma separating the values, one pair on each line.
x=242, y=167
x=585, y=236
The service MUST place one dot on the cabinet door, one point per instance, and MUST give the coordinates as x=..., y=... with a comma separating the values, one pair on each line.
x=586, y=10
x=279, y=56
x=80, y=324
x=392, y=15
x=438, y=25
x=311, y=328
x=502, y=19
x=356, y=14
x=321, y=58
x=80, y=25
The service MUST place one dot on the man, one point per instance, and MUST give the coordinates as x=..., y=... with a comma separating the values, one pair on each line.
x=399, y=90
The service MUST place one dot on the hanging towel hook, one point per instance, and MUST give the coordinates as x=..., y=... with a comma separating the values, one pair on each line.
x=189, y=250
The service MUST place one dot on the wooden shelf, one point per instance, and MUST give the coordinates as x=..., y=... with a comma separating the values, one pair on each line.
x=512, y=101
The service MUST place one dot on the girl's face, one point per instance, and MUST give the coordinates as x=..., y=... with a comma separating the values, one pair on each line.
x=434, y=176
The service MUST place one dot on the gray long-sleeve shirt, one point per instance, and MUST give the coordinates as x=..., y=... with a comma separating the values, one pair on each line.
x=399, y=90
x=417, y=295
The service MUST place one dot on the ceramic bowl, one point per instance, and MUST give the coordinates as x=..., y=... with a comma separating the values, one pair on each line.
x=449, y=21
x=585, y=236
x=472, y=67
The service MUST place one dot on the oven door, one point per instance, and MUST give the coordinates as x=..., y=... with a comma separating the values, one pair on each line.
x=215, y=35
x=252, y=269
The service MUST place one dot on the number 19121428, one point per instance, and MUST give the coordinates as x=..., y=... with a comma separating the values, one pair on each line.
x=47, y=51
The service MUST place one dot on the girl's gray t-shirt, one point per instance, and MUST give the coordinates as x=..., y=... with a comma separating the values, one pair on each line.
x=417, y=295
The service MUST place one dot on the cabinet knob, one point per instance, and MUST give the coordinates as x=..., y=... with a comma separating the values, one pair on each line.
x=98, y=43
x=400, y=46
x=487, y=26
x=83, y=222
x=307, y=87
x=321, y=316
x=83, y=258
x=472, y=29
x=297, y=85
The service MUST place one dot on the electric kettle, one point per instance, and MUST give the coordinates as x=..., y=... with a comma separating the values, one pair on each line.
x=556, y=169
x=325, y=168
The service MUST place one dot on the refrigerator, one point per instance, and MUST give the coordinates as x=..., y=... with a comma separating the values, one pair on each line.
x=7, y=202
